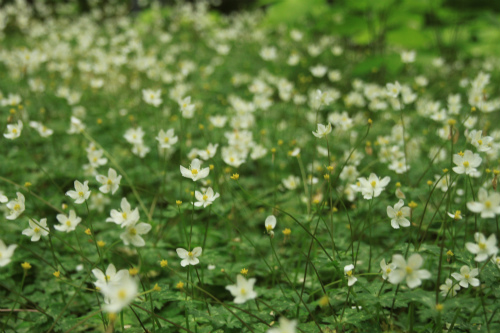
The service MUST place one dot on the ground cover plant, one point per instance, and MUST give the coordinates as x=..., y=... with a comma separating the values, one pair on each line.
x=179, y=170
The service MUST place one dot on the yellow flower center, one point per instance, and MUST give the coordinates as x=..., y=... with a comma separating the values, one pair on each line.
x=122, y=294
x=190, y=253
x=166, y=139
x=480, y=142
x=68, y=223
x=80, y=193
x=108, y=277
x=388, y=270
x=17, y=207
x=487, y=204
x=399, y=213
x=231, y=159
x=194, y=171
x=466, y=276
x=243, y=291
x=466, y=164
x=109, y=182
x=349, y=273
x=457, y=215
x=205, y=197
x=482, y=246
x=36, y=230
x=124, y=215
x=151, y=96
x=373, y=183
x=133, y=232
x=14, y=130
x=409, y=270
x=269, y=227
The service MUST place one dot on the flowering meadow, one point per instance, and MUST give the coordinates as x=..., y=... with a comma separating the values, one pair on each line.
x=181, y=170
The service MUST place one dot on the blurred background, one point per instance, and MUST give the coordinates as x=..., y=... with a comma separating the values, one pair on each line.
x=451, y=28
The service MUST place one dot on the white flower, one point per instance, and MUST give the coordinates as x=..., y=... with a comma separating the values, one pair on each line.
x=189, y=257
x=187, y=109
x=409, y=271
x=318, y=70
x=456, y=216
x=295, y=152
x=398, y=215
x=209, y=152
x=351, y=279
x=322, y=130
x=76, y=126
x=133, y=232
x=496, y=260
x=258, y=151
x=6, y=253
x=408, y=56
x=386, y=269
x=16, y=207
x=119, y=295
x=218, y=121
x=36, y=229
x=81, y=192
x=195, y=172
x=373, y=186
x=291, y=182
x=466, y=162
x=205, y=199
x=268, y=53
x=393, y=89
x=166, y=139
x=68, y=223
x=488, y=204
x=3, y=198
x=467, y=276
x=14, y=130
x=111, y=276
x=41, y=129
x=95, y=157
x=483, y=248
x=398, y=166
x=140, y=150
x=126, y=217
x=134, y=135
x=243, y=290
x=98, y=202
x=286, y=326
x=444, y=183
x=109, y=183
x=482, y=143
x=152, y=97
x=449, y=289
x=232, y=156
x=270, y=223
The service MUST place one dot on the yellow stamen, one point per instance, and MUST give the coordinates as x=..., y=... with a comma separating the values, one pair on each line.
x=122, y=294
